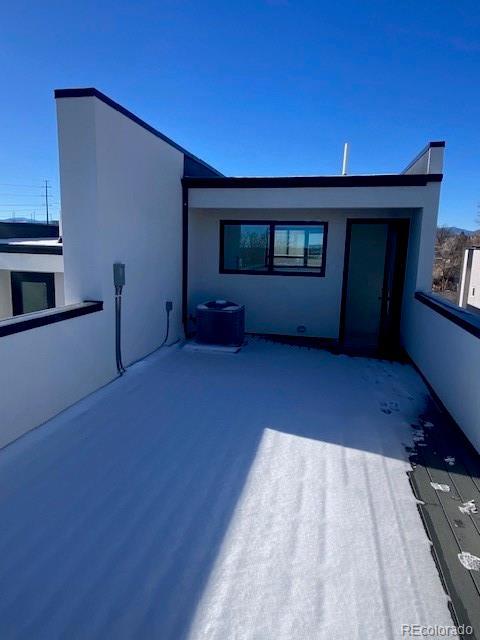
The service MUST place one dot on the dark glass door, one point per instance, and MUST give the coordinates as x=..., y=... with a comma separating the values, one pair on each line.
x=373, y=286
x=392, y=291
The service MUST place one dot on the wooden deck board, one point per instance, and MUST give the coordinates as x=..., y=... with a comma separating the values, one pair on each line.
x=444, y=456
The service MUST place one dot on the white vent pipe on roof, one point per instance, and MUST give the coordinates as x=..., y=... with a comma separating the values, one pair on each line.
x=346, y=151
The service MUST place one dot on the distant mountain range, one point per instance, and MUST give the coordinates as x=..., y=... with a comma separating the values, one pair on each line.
x=29, y=220
x=458, y=230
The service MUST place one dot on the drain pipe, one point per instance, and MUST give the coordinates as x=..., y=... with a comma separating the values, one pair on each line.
x=119, y=282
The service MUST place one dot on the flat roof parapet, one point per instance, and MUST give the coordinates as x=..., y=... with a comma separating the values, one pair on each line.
x=91, y=92
x=429, y=160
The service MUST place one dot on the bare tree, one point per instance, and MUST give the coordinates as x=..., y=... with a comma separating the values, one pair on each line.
x=449, y=252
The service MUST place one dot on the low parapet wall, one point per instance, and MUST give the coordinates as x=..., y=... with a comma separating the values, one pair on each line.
x=50, y=360
x=444, y=343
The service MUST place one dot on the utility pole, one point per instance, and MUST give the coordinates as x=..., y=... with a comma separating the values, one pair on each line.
x=46, y=198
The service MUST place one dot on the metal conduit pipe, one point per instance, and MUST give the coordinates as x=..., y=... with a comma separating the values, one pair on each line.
x=119, y=282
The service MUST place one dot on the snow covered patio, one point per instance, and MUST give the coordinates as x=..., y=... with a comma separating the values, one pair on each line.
x=261, y=495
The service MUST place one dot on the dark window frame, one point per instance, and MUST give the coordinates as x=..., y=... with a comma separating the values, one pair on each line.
x=17, y=277
x=310, y=272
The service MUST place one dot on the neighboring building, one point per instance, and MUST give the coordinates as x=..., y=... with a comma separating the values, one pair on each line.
x=469, y=297
x=31, y=268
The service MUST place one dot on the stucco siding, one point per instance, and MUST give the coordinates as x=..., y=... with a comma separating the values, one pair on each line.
x=449, y=357
x=121, y=202
x=274, y=303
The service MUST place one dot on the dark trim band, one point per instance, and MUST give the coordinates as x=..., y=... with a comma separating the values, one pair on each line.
x=461, y=317
x=394, y=180
x=31, y=321
x=310, y=342
x=50, y=249
x=185, y=260
x=91, y=92
x=28, y=230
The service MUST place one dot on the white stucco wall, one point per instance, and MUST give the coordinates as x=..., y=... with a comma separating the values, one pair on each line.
x=44, y=263
x=279, y=304
x=121, y=201
x=59, y=289
x=314, y=197
x=449, y=357
x=50, y=368
x=274, y=304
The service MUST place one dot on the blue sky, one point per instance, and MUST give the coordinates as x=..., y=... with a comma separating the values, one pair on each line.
x=267, y=87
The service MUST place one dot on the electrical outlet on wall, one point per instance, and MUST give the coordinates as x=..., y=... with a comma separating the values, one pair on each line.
x=168, y=305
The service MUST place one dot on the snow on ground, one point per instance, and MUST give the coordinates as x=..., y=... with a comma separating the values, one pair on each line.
x=261, y=495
